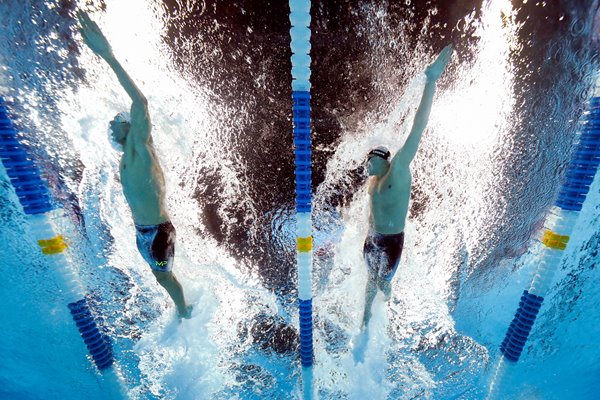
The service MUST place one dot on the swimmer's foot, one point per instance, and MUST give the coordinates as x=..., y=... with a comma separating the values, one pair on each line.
x=186, y=313
x=359, y=346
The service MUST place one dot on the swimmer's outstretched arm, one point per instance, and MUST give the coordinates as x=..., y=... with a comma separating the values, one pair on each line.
x=433, y=72
x=97, y=42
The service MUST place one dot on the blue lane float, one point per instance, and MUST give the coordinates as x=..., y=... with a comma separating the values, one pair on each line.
x=519, y=328
x=20, y=168
x=306, y=349
x=555, y=237
x=302, y=144
x=36, y=200
x=97, y=342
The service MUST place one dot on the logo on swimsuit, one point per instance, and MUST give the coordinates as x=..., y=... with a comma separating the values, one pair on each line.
x=161, y=263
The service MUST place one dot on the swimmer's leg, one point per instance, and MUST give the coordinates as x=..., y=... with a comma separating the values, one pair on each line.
x=386, y=287
x=168, y=280
x=370, y=293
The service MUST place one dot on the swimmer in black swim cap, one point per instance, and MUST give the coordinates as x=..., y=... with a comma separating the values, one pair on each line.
x=389, y=193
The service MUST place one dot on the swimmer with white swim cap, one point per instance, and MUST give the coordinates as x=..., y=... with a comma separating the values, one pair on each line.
x=141, y=175
x=389, y=192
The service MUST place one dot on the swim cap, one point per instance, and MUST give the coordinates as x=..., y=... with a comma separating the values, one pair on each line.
x=122, y=117
x=379, y=151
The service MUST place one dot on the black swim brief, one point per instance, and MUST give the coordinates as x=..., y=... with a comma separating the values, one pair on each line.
x=156, y=244
x=382, y=253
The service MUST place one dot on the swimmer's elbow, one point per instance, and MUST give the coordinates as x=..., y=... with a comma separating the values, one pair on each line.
x=141, y=102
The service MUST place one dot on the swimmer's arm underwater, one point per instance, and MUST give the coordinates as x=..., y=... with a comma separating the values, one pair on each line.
x=97, y=42
x=433, y=72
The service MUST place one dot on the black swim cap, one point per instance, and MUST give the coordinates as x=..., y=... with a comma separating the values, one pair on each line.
x=379, y=151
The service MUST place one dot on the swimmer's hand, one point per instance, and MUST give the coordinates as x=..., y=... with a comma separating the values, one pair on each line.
x=93, y=36
x=436, y=69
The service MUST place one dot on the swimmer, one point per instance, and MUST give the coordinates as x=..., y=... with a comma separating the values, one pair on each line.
x=389, y=192
x=141, y=175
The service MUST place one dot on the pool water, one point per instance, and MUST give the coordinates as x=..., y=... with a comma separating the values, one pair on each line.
x=217, y=79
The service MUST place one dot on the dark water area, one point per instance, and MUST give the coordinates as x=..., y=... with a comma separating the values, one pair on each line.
x=240, y=52
x=342, y=88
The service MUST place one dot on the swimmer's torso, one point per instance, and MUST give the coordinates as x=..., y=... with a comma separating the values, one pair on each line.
x=389, y=201
x=144, y=185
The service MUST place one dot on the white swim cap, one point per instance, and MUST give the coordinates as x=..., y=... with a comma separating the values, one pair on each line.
x=122, y=117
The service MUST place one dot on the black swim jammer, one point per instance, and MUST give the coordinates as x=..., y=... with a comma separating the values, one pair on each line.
x=156, y=244
x=382, y=253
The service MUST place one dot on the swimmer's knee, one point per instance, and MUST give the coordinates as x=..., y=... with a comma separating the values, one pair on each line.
x=385, y=286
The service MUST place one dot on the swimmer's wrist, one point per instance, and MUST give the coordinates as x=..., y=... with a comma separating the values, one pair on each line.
x=430, y=75
x=107, y=54
x=430, y=79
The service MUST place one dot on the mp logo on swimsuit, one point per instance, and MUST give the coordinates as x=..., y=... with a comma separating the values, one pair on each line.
x=161, y=263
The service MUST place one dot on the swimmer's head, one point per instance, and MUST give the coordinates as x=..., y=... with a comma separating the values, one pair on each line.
x=119, y=128
x=377, y=160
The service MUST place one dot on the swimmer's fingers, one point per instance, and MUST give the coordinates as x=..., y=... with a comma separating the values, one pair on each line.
x=446, y=54
x=444, y=57
x=80, y=16
x=84, y=28
x=84, y=19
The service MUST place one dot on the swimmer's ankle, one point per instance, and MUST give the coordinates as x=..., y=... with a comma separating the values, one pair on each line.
x=186, y=312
